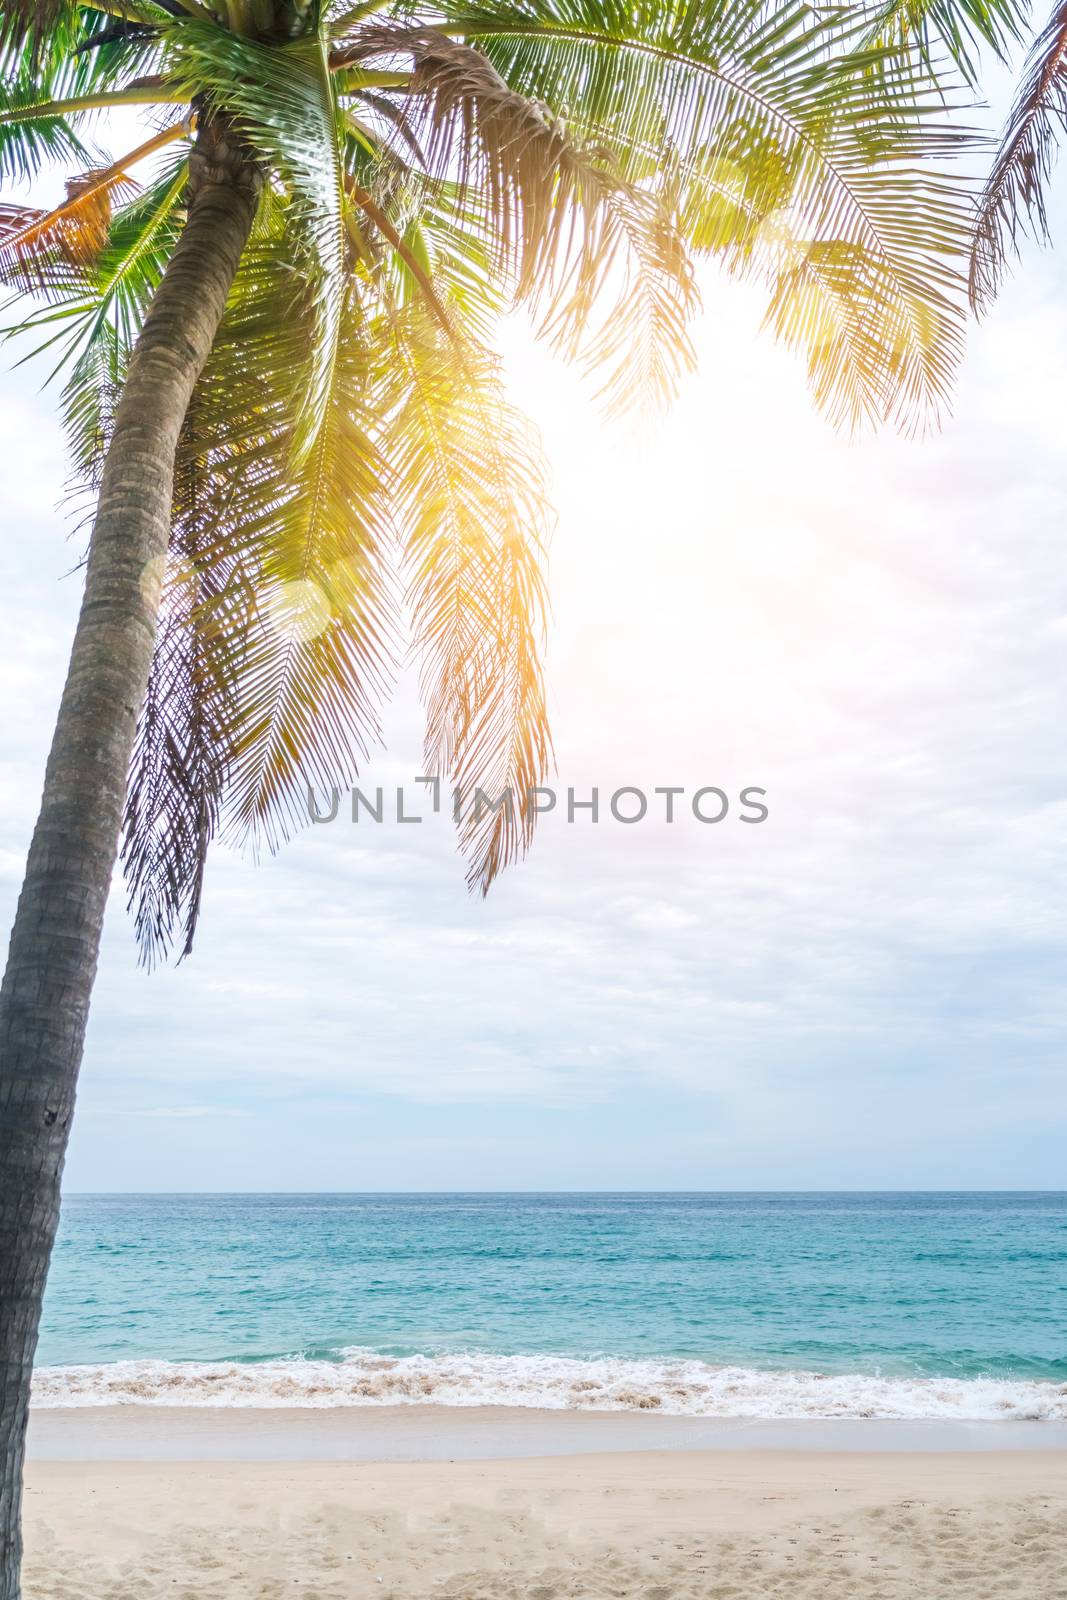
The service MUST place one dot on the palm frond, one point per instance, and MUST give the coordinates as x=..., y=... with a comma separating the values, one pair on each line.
x=99, y=321
x=424, y=246
x=51, y=245
x=46, y=250
x=180, y=758
x=562, y=220
x=317, y=530
x=296, y=547
x=77, y=53
x=284, y=103
x=475, y=513
x=954, y=30
x=404, y=252
x=31, y=20
x=1013, y=202
x=771, y=104
x=495, y=144
x=625, y=307
x=28, y=140
x=95, y=310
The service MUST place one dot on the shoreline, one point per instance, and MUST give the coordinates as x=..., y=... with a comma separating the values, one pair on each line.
x=669, y=1386
x=429, y=1433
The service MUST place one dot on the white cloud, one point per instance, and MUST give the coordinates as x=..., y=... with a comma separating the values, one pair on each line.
x=873, y=633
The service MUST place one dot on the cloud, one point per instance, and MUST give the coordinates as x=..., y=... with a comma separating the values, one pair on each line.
x=866, y=987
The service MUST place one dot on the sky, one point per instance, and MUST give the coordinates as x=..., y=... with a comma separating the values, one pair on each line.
x=867, y=990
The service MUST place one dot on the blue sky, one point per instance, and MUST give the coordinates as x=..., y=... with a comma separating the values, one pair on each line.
x=865, y=991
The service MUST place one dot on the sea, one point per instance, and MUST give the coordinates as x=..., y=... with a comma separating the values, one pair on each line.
x=772, y=1305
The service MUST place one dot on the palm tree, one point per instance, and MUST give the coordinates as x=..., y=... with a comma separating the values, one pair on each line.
x=280, y=390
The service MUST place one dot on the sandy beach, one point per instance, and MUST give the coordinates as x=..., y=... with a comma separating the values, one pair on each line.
x=737, y=1522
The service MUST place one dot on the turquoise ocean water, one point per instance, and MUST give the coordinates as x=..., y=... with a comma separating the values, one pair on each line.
x=711, y=1304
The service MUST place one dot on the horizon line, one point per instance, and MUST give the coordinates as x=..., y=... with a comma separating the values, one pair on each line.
x=112, y=1194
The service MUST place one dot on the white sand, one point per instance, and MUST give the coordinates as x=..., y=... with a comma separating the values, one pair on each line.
x=733, y=1525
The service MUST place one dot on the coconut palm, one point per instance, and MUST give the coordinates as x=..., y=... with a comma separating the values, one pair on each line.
x=273, y=319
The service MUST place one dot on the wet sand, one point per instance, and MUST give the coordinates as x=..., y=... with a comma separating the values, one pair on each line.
x=436, y=1433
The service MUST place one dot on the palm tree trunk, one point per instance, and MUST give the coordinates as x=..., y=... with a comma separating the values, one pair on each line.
x=44, y=1000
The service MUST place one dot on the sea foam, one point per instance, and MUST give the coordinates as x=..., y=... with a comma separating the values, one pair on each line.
x=555, y=1383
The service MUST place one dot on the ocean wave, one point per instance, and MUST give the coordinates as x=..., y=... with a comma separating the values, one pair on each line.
x=554, y=1383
